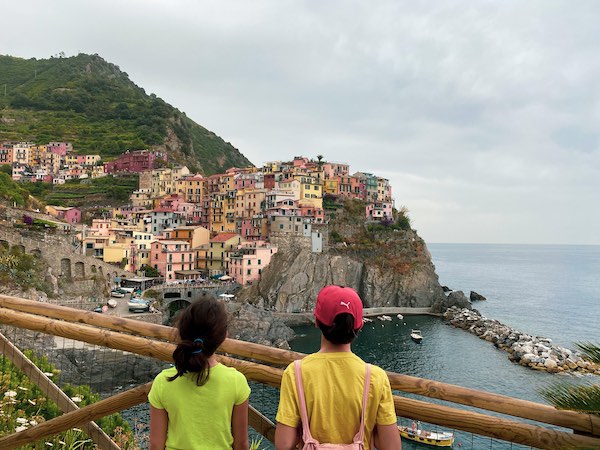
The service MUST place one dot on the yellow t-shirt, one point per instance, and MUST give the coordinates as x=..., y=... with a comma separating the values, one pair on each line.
x=333, y=388
x=199, y=416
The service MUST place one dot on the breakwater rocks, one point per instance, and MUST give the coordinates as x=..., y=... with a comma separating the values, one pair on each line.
x=531, y=351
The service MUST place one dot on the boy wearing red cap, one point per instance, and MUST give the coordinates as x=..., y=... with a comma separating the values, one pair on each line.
x=333, y=382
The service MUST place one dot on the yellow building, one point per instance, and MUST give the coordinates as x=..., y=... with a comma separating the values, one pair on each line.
x=331, y=186
x=311, y=191
x=249, y=202
x=191, y=188
x=217, y=256
x=196, y=236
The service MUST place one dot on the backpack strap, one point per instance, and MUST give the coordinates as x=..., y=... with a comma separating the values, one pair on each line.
x=360, y=435
x=306, y=436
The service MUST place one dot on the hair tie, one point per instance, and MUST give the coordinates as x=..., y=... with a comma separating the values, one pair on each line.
x=198, y=341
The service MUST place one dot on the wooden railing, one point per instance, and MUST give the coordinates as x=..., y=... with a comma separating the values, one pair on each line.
x=158, y=342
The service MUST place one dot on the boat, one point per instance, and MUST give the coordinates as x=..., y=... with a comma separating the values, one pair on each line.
x=138, y=305
x=400, y=316
x=112, y=303
x=416, y=335
x=384, y=317
x=117, y=294
x=433, y=438
x=366, y=320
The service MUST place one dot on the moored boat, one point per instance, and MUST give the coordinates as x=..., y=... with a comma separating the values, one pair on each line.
x=416, y=335
x=433, y=438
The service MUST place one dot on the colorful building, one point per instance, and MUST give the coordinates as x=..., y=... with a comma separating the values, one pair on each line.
x=68, y=214
x=133, y=162
x=217, y=257
x=249, y=260
x=173, y=259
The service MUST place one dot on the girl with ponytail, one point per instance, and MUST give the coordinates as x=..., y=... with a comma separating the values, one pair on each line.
x=199, y=404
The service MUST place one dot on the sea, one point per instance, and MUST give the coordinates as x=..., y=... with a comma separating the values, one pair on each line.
x=551, y=291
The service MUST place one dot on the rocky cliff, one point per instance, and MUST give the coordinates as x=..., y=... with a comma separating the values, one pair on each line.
x=387, y=266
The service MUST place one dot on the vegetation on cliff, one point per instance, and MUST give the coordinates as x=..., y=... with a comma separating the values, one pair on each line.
x=93, y=104
x=23, y=270
x=12, y=192
x=388, y=244
x=83, y=192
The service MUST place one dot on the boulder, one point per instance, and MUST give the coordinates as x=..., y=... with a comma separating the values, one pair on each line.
x=474, y=296
x=550, y=363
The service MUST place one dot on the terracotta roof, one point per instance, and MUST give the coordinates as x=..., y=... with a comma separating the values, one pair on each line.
x=223, y=237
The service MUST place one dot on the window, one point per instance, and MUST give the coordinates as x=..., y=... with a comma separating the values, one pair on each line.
x=156, y=256
x=259, y=262
x=248, y=272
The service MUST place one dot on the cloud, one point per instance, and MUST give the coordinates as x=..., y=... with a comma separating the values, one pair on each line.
x=483, y=115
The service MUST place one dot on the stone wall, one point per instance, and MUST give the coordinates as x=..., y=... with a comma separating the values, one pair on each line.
x=59, y=252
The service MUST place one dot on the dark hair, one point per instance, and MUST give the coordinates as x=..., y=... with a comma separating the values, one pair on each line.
x=202, y=329
x=342, y=330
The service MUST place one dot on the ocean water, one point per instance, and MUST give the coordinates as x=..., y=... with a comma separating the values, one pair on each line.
x=550, y=291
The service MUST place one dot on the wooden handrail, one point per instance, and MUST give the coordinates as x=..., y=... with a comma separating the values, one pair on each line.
x=51, y=390
x=495, y=427
x=585, y=423
x=89, y=413
x=414, y=409
x=111, y=405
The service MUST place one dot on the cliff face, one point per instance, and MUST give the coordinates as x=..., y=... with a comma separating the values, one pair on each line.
x=392, y=269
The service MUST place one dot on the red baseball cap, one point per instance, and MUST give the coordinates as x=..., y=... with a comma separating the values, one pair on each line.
x=333, y=300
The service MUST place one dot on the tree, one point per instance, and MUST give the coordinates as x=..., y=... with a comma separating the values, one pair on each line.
x=149, y=271
x=584, y=398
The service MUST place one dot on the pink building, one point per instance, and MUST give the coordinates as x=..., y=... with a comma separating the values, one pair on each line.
x=249, y=260
x=245, y=181
x=136, y=161
x=6, y=153
x=309, y=211
x=351, y=187
x=173, y=259
x=68, y=214
x=379, y=211
x=59, y=148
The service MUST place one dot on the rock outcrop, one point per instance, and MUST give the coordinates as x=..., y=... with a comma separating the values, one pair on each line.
x=531, y=351
x=453, y=299
x=474, y=296
x=253, y=324
x=396, y=272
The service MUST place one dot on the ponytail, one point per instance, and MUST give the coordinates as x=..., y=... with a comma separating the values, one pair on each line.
x=202, y=329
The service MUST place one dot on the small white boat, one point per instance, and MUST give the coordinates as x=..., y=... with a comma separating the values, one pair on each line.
x=367, y=320
x=384, y=317
x=416, y=335
x=400, y=316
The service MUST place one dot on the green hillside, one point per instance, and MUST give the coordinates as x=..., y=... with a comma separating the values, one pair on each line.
x=93, y=104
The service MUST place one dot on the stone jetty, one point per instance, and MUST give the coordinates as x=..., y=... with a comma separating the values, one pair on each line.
x=531, y=351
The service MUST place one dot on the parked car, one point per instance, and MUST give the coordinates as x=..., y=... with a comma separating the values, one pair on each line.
x=117, y=293
x=128, y=290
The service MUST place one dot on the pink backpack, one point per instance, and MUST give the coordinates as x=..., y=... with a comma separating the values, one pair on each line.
x=312, y=444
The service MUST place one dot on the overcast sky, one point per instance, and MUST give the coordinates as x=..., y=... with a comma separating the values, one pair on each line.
x=482, y=114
